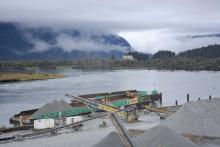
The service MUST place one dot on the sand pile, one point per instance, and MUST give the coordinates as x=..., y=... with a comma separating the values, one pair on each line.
x=198, y=118
x=111, y=140
x=162, y=136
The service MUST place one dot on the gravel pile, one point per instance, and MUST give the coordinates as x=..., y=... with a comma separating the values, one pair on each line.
x=55, y=106
x=197, y=118
x=159, y=136
x=162, y=136
x=111, y=140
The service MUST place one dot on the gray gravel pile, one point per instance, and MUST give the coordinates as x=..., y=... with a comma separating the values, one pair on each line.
x=200, y=118
x=162, y=136
x=159, y=136
x=55, y=106
x=111, y=140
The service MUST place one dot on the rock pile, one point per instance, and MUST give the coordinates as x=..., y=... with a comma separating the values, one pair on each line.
x=162, y=136
x=159, y=136
x=197, y=118
x=55, y=106
x=111, y=140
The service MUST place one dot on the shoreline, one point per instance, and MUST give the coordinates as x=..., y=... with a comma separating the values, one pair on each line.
x=8, y=77
x=103, y=68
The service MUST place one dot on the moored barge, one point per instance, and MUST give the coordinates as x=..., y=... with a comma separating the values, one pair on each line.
x=117, y=98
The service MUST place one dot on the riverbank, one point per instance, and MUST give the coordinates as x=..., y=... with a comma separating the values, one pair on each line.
x=195, y=64
x=16, y=77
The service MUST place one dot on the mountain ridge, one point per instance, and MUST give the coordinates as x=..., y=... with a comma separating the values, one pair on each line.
x=24, y=43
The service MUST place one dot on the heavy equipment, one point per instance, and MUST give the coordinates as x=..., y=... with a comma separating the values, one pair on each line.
x=130, y=115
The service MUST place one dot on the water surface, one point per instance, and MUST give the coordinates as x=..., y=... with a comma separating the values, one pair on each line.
x=174, y=85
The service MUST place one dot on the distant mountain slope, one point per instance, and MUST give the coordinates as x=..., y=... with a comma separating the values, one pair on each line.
x=163, y=54
x=207, y=35
x=211, y=51
x=21, y=43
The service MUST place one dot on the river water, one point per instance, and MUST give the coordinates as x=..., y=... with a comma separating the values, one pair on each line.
x=174, y=85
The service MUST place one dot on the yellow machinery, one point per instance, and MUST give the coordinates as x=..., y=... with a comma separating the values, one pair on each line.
x=133, y=98
x=128, y=114
x=159, y=111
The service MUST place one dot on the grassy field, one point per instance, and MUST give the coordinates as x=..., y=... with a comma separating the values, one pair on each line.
x=13, y=77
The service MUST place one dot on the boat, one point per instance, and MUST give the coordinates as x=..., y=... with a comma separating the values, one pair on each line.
x=120, y=99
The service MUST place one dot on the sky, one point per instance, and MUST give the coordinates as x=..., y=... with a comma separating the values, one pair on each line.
x=148, y=25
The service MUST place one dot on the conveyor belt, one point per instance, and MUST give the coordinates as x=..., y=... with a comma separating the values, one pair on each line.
x=99, y=105
x=157, y=110
x=96, y=104
x=52, y=130
x=47, y=131
x=127, y=141
x=90, y=102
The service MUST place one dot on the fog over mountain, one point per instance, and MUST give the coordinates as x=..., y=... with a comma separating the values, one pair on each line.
x=148, y=25
x=21, y=42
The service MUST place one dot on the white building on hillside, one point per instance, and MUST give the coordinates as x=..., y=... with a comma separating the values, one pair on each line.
x=128, y=57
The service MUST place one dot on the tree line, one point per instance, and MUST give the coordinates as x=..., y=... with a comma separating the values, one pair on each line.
x=205, y=58
x=208, y=52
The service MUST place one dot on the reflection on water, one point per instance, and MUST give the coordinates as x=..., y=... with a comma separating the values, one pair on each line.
x=15, y=97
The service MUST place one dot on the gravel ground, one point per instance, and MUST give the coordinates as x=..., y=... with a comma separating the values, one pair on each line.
x=195, y=118
x=89, y=135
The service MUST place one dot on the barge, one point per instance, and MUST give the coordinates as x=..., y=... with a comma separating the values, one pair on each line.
x=120, y=99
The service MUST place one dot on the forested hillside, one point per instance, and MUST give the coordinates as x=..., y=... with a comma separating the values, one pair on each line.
x=211, y=51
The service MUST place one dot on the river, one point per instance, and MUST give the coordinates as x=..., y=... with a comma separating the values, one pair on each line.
x=174, y=85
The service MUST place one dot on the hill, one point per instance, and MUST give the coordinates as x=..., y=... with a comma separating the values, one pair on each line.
x=163, y=54
x=211, y=51
x=19, y=42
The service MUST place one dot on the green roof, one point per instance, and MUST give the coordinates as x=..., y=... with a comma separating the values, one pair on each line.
x=120, y=103
x=76, y=111
x=142, y=93
x=71, y=112
x=107, y=96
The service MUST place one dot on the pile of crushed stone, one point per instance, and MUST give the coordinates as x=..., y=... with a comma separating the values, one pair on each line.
x=162, y=136
x=197, y=118
x=55, y=106
x=111, y=140
x=159, y=136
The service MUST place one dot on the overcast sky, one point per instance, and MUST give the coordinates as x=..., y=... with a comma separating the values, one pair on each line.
x=148, y=25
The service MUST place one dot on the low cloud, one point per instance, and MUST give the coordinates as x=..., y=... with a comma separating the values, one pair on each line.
x=178, y=18
x=153, y=41
x=69, y=43
x=40, y=45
